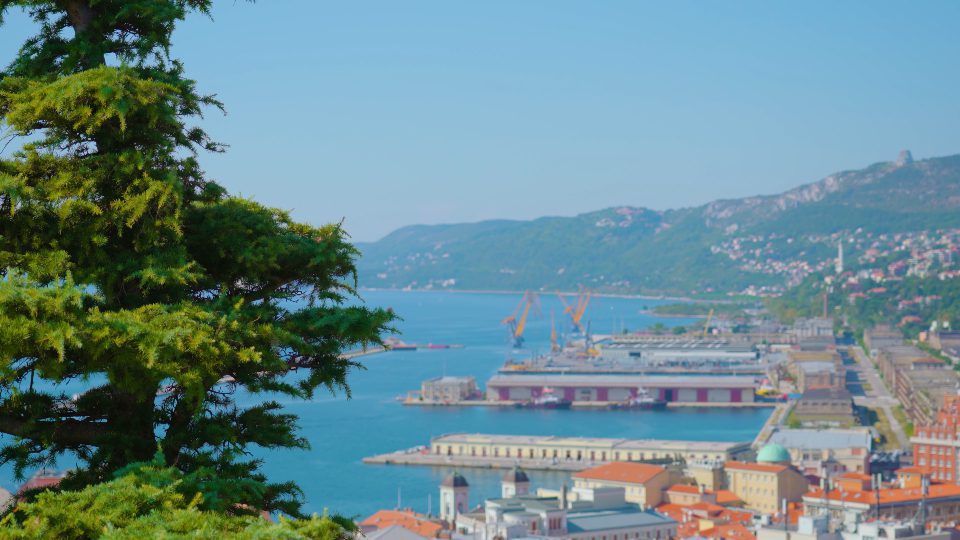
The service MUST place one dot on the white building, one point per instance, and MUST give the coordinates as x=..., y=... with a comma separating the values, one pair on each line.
x=588, y=514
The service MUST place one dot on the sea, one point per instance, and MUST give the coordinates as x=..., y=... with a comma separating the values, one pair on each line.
x=342, y=431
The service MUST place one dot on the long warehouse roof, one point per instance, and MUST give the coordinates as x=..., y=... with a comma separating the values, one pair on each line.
x=622, y=381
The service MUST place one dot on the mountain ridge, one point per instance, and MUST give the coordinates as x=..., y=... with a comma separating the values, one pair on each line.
x=628, y=249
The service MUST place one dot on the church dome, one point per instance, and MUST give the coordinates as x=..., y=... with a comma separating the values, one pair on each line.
x=773, y=453
x=516, y=476
x=454, y=479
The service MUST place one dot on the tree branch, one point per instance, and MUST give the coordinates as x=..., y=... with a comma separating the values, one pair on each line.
x=61, y=432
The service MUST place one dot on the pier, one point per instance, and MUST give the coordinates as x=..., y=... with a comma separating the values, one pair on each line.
x=554, y=453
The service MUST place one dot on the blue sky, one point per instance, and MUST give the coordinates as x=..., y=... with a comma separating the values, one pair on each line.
x=393, y=113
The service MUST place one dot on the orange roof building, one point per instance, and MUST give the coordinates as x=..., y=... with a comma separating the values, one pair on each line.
x=643, y=483
x=936, y=445
x=896, y=504
x=764, y=486
x=418, y=524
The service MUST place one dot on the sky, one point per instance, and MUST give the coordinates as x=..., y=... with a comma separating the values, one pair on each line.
x=384, y=114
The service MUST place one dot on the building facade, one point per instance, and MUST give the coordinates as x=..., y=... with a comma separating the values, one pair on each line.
x=936, y=446
x=591, y=388
x=583, y=449
x=643, y=484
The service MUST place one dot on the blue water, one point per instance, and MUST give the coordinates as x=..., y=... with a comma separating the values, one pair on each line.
x=343, y=431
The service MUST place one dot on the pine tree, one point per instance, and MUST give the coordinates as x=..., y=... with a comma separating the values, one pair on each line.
x=123, y=267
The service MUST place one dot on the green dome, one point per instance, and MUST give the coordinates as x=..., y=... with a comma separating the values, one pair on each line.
x=773, y=453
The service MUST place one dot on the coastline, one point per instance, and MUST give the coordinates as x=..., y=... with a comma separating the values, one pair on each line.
x=564, y=293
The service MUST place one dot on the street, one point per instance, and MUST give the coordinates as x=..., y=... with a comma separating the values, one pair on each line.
x=875, y=393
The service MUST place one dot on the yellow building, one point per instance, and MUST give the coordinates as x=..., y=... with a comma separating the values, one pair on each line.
x=528, y=449
x=643, y=483
x=763, y=486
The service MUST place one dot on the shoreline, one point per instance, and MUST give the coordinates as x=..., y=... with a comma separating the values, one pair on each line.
x=564, y=293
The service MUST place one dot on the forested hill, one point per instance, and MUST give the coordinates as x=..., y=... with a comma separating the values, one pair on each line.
x=757, y=243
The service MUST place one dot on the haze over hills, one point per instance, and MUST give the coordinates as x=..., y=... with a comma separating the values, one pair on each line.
x=754, y=243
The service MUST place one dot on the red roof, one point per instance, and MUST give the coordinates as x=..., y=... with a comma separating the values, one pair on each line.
x=733, y=531
x=630, y=473
x=413, y=522
x=725, y=496
x=40, y=481
x=852, y=475
x=888, y=496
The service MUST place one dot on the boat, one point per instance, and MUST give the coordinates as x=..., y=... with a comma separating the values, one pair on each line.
x=643, y=401
x=547, y=400
x=438, y=346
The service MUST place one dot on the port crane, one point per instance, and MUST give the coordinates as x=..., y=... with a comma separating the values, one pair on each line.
x=517, y=321
x=554, y=341
x=576, y=311
x=706, y=324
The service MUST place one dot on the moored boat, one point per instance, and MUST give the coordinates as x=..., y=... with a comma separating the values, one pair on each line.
x=643, y=401
x=547, y=400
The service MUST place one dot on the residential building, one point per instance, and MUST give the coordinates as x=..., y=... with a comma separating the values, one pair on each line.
x=818, y=374
x=826, y=452
x=705, y=472
x=590, y=514
x=816, y=327
x=643, y=483
x=881, y=336
x=766, y=484
x=818, y=528
x=946, y=341
x=890, y=359
x=706, y=520
x=832, y=407
x=936, y=445
x=385, y=524
x=900, y=501
x=921, y=387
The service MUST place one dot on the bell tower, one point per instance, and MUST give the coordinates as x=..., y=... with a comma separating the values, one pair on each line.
x=454, y=496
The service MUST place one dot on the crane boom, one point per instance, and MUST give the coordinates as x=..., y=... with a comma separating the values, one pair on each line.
x=706, y=324
x=554, y=345
x=522, y=323
x=517, y=321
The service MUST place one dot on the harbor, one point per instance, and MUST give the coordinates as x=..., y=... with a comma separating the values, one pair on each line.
x=613, y=372
x=473, y=321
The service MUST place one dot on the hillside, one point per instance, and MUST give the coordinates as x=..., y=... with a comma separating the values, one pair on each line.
x=755, y=244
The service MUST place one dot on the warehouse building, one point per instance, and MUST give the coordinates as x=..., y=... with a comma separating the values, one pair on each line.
x=618, y=388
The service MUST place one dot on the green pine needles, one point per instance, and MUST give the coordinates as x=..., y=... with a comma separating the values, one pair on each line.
x=123, y=267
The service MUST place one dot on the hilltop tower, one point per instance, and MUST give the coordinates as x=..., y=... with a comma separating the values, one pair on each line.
x=839, y=264
x=905, y=158
x=454, y=496
x=515, y=483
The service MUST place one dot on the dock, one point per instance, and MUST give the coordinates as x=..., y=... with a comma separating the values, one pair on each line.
x=349, y=355
x=414, y=456
x=413, y=401
x=554, y=453
x=775, y=420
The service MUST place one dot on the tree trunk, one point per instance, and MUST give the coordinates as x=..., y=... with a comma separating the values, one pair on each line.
x=80, y=13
